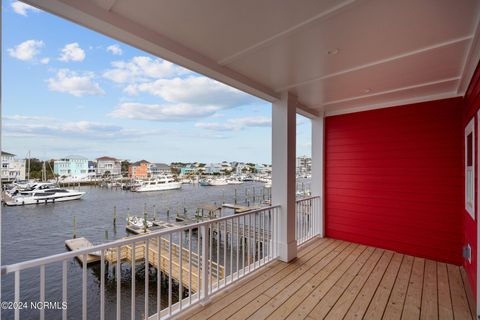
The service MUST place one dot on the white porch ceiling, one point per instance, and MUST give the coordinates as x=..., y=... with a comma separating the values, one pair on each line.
x=336, y=56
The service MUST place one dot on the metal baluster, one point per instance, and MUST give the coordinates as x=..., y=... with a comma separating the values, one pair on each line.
x=243, y=244
x=147, y=266
x=248, y=240
x=238, y=246
x=134, y=254
x=170, y=274
x=225, y=240
x=218, y=254
x=200, y=264
x=159, y=276
x=102, y=284
x=42, y=290
x=17, y=294
x=84, y=288
x=180, y=271
x=210, y=255
x=205, y=245
x=64, y=288
x=190, y=265
x=118, y=273
x=231, y=253
x=255, y=244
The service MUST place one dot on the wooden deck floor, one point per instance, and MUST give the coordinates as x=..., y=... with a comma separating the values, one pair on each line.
x=334, y=279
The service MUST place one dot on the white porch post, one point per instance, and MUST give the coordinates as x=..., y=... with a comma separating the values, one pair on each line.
x=317, y=172
x=283, y=172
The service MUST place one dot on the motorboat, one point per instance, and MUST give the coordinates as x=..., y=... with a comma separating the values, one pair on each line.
x=43, y=196
x=214, y=182
x=138, y=222
x=160, y=183
x=234, y=181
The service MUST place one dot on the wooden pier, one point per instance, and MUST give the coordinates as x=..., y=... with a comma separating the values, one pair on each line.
x=161, y=262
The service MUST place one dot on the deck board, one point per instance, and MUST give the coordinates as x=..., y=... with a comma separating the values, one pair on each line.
x=334, y=279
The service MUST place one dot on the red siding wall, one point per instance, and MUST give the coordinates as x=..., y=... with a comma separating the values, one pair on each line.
x=472, y=104
x=394, y=178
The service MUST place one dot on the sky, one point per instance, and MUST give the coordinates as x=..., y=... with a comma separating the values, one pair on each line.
x=70, y=90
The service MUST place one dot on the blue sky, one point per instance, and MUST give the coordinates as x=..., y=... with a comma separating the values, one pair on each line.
x=69, y=90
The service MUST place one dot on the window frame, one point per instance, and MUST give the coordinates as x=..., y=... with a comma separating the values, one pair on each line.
x=470, y=129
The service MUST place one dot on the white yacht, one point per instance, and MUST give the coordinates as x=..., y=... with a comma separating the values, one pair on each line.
x=158, y=184
x=214, y=182
x=43, y=196
x=138, y=222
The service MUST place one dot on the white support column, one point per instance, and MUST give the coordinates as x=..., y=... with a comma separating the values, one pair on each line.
x=317, y=171
x=283, y=172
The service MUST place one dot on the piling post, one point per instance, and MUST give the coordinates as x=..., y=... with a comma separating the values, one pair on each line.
x=114, y=216
x=74, y=227
x=154, y=213
x=106, y=234
x=254, y=194
x=235, y=196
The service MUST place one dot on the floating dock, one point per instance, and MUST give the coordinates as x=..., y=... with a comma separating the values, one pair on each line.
x=82, y=243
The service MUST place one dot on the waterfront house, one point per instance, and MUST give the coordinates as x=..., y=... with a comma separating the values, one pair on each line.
x=73, y=166
x=392, y=90
x=109, y=165
x=139, y=170
x=156, y=169
x=12, y=169
x=190, y=168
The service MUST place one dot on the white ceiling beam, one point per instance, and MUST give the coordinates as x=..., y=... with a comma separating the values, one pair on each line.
x=377, y=62
x=307, y=111
x=395, y=103
x=122, y=29
x=322, y=15
x=420, y=85
x=471, y=59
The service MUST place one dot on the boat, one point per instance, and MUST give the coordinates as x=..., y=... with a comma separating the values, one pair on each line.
x=234, y=181
x=186, y=181
x=44, y=196
x=160, y=183
x=138, y=222
x=213, y=182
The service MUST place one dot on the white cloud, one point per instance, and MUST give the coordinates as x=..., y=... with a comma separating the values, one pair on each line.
x=26, y=50
x=115, y=49
x=22, y=8
x=236, y=124
x=72, y=52
x=45, y=60
x=193, y=90
x=20, y=125
x=158, y=112
x=142, y=68
x=78, y=85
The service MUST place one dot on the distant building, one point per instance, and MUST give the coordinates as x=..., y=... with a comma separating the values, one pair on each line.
x=304, y=165
x=139, y=169
x=71, y=166
x=109, y=164
x=213, y=168
x=92, y=169
x=190, y=168
x=12, y=169
x=157, y=169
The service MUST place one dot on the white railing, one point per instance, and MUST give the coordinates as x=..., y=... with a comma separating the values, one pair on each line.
x=307, y=218
x=195, y=262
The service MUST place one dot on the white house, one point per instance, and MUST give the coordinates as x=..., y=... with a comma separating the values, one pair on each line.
x=109, y=165
x=12, y=169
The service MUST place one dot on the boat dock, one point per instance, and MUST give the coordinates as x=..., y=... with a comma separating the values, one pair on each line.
x=82, y=243
x=129, y=254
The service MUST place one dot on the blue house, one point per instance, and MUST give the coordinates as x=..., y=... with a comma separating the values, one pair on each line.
x=71, y=166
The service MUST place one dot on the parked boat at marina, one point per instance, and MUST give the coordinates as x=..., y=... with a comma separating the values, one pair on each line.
x=43, y=196
x=214, y=182
x=158, y=184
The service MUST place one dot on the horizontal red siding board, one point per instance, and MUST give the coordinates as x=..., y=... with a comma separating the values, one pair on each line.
x=394, y=178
